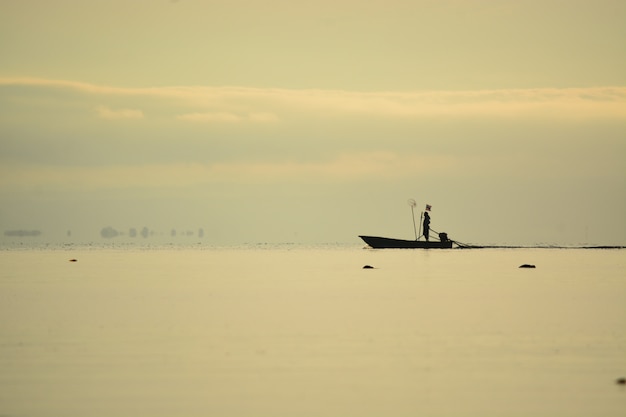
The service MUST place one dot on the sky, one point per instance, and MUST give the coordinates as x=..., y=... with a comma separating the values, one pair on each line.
x=314, y=122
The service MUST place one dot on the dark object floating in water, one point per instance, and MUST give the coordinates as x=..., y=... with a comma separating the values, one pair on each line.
x=620, y=381
x=73, y=260
x=527, y=266
x=368, y=267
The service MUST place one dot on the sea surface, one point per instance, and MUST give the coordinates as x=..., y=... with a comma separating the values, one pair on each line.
x=297, y=331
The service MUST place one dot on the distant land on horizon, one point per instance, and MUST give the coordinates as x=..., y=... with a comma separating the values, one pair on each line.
x=109, y=233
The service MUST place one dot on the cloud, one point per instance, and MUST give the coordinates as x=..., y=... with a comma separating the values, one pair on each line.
x=107, y=113
x=226, y=117
x=263, y=117
x=245, y=104
x=352, y=167
x=220, y=117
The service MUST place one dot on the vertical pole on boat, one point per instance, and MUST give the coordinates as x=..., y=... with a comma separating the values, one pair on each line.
x=413, y=203
x=421, y=215
x=414, y=229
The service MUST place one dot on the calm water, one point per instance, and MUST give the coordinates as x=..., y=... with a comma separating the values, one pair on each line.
x=308, y=332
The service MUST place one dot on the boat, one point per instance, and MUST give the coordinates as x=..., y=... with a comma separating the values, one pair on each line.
x=377, y=242
x=443, y=242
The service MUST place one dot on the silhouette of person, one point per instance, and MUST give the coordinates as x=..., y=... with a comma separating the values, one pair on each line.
x=426, y=225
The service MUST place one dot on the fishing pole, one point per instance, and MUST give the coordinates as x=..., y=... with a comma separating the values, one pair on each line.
x=413, y=203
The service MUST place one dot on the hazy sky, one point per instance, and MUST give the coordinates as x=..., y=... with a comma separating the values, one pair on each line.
x=294, y=121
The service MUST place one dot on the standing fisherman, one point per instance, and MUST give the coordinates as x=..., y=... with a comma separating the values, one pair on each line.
x=426, y=225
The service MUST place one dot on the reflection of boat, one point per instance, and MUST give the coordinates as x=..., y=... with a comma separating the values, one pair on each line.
x=389, y=243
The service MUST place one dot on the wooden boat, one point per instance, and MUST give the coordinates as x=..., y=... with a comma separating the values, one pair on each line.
x=390, y=243
x=443, y=242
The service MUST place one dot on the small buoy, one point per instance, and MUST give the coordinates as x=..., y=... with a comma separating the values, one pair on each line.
x=368, y=267
x=73, y=260
x=620, y=381
x=527, y=266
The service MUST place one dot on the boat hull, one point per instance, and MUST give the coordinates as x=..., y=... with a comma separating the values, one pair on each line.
x=389, y=243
